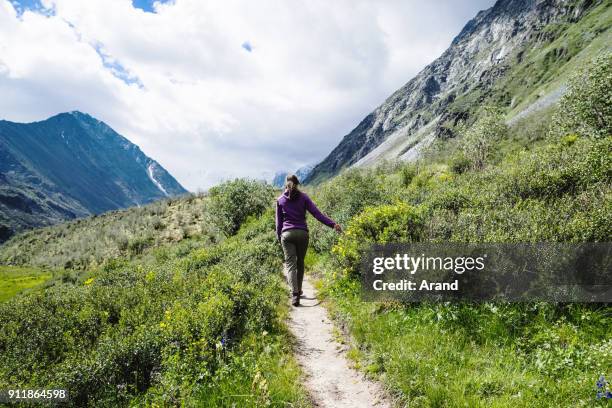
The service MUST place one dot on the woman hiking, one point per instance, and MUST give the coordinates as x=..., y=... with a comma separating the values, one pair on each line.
x=292, y=231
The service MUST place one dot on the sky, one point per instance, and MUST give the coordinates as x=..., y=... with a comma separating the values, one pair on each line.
x=214, y=90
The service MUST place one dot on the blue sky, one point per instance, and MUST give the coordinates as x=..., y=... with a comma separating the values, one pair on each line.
x=220, y=89
x=115, y=67
x=21, y=5
x=31, y=4
x=146, y=5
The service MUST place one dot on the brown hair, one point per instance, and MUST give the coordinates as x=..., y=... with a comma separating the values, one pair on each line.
x=291, y=185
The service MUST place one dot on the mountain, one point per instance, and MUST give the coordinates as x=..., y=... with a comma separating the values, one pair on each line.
x=515, y=55
x=302, y=173
x=72, y=165
x=279, y=178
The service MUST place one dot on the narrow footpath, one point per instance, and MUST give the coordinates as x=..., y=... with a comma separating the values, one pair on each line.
x=330, y=380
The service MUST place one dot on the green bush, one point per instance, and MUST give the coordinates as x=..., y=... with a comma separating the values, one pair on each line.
x=460, y=163
x=407, y=173
x=136, y=246
x=477, y=140
x=159, y=330
x=559, y=169
x=343, y=198
x=232, y=202
x=394, y=223
x=586, y=108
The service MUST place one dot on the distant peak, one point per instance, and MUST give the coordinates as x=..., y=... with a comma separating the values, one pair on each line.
x=81, y=115
x=75, y=114
x=83, y=119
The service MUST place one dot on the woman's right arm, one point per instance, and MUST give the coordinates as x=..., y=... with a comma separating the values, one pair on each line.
x=312, y=208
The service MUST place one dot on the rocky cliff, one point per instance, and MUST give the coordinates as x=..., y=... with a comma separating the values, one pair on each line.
x=509, y=56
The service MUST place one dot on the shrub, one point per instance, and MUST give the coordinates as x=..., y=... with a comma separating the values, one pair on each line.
x=460, y=164
x=555, y=170
x=394, y=223
x=450, y=198
x=407, y=173
x=481, y=136
x=122, y=242
x=168, y=327
x=232, y=202
x=586, y=107
x=344, y=197
x=157, y=224
x=136, y=246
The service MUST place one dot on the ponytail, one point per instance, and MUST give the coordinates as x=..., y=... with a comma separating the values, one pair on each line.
x=291, y=186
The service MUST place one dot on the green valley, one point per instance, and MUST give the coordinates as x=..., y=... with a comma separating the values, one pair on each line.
x=183, y=302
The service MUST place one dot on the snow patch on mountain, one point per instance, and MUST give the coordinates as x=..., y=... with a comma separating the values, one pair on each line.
x=157, y=183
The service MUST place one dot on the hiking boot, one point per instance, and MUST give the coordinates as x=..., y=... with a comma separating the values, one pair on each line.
x=295, y=300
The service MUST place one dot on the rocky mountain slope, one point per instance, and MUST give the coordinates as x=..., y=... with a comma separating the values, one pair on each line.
x=302, y=173
x=72, y=165
x=510, y=55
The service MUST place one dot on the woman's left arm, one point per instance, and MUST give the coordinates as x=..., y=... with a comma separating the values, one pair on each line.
x=312, y=208
x=279, y=220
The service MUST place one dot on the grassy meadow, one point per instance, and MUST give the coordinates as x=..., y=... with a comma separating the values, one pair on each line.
x=15, y=279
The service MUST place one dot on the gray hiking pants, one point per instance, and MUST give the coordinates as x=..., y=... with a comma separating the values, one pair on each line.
x=295, y=244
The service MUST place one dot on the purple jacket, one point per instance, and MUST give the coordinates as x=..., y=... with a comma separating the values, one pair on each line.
x=291, y=214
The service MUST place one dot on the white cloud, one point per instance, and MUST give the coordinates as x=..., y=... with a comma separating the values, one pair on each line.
x=181, y=84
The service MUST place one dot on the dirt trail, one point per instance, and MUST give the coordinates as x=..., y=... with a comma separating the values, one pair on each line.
x=330, y=380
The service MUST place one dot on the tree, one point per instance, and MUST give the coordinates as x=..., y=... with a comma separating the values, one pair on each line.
x=586, y=108
x=477, y=140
